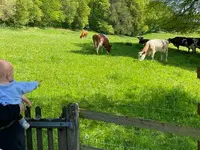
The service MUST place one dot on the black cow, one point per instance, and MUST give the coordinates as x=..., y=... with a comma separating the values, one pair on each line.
x=142, y=40
x=183, y=41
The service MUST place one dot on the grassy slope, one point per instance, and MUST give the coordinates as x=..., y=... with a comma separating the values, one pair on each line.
x=118, y=83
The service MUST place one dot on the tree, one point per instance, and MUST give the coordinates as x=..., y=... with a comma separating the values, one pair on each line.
x=185, y=13
x=7, y=11
x=21, y=16
x=53, y=14
x=81, y=17
x=98, y=19
x=69, y=8
x=35, y=12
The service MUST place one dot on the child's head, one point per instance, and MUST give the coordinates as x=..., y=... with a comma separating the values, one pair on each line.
x=6, y=71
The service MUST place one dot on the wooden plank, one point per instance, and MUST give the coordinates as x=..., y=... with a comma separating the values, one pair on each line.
x=50, y=139
x=198, y=72
x=62, y=139
x=29, y=139
x=141, y=123
x=73, y=132
x=83, y=147
x=39, y=130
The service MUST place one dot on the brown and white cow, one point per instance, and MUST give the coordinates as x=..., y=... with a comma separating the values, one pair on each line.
x=84, y=34
x=152, y=46
x=101, y=40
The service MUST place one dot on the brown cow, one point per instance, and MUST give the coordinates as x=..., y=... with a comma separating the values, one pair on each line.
x=84, y=34
x=101, y=40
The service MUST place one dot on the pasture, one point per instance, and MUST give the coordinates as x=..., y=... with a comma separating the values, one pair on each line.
x=117, y=83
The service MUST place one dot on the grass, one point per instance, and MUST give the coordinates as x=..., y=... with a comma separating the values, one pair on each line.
x=117, y=83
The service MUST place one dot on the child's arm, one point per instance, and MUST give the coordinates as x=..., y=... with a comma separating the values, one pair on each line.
x=27, y=101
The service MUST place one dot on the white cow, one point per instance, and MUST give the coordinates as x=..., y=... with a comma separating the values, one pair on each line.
x=152, y=46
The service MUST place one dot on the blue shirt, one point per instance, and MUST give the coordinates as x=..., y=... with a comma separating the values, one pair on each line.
x=12, y=93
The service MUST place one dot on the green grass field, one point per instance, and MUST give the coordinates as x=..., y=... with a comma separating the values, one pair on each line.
x=117, y=83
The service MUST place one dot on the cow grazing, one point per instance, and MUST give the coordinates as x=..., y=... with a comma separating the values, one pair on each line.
x=84, y=34
x=142, y=40
x=183, y=41
x=197, y=42
x=101, y=40
x=152, y=46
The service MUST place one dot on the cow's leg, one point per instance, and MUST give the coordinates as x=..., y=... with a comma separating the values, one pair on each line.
x=161, y=56
x=97, y=49
x=152, y=55
x=166, y=54
x=189, y=50
x=177, y=47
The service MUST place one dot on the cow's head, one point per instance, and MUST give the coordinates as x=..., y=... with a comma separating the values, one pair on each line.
x=108, y=48
x=141, y=55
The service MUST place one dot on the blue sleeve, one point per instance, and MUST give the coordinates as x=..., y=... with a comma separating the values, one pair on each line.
x=27, y=87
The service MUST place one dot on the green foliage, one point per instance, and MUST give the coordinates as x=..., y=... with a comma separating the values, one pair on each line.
x=35, y=12
x=81, y=17
x=69, y=8
x=7, y=11
x=21, y=16
x=99, y=15
x=120, y=17
x=157, y=16
x=117, y=83
x=52, y=12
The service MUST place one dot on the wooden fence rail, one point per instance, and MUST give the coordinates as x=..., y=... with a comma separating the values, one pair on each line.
x=67, y=127
x=141, y=123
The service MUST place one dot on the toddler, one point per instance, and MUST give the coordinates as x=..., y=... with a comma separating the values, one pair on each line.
x=12, y=92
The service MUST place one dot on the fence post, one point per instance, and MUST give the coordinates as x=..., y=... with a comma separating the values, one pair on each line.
x=38, y=115
x=29, y=131
x=62, y=132
x=198, y=105
x=198, y=112
x=198, y=72
x=73, y=133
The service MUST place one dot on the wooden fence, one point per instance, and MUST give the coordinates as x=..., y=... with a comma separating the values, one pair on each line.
x=68, y=126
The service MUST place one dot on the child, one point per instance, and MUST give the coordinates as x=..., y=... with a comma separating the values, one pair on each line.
x=11, y=91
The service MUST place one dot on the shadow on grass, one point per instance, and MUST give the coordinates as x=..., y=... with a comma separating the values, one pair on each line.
x=174, y=105
x=180, y=58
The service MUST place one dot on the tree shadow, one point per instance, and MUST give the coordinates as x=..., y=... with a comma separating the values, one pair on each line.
x=174, y=105
x=178, y=58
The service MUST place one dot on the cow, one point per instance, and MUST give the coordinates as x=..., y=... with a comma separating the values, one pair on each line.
x=183, y=41
x=197, y=42
x=152, y=46
x=142, y=40
x=84, y=34
x=101, y=40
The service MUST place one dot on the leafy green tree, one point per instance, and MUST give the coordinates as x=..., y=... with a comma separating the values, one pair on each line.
x=69, y=8
x=21, y=16
x=157, y=14
x=120, y=17
x=184, y=13
x=137, y=11
x=7, y=11
x=98, y=19
x=53, y=14
x=81, y=17
x=35, y=12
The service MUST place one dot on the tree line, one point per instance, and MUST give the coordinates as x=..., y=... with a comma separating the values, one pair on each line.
x=125, y=17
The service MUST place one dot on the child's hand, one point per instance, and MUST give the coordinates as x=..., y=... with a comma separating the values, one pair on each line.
x=29, y=103
x=39, y=82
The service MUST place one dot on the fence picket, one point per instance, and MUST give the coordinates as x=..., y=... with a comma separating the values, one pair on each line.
x=29, y=131
x=38, y=115
x=50, y=139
